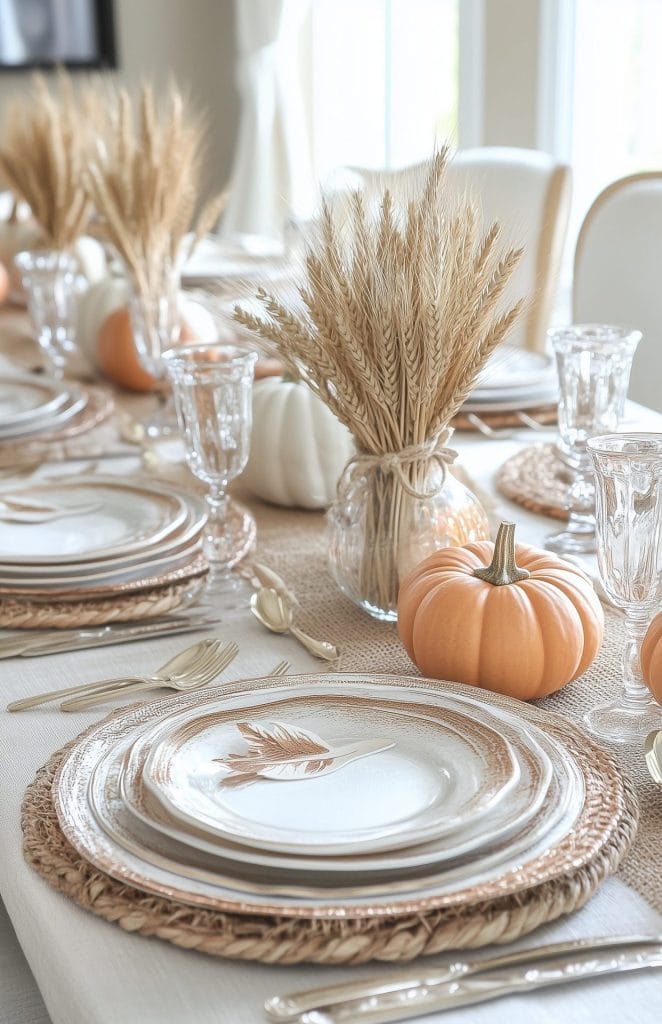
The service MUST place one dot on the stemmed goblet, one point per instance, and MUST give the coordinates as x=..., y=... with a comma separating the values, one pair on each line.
x=628, y=498
x=593, y=363
x=212, y=385
x=49, y=277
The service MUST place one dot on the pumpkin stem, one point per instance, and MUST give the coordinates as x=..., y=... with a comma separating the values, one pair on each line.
x=503, y=568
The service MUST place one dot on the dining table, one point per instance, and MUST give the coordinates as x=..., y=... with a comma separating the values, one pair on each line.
x=62, y=964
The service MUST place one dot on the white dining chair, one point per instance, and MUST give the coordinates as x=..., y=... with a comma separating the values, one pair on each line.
x=618, y=268
x=527, y=191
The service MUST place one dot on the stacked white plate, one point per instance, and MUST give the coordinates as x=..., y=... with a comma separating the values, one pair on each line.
x=514, y=379
x=104, y=535
x=32, y=405
x=330, y=795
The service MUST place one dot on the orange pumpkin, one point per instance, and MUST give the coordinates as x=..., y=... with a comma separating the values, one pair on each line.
x=651, y=657
x=117, y=356
x=513, y=619
x=4, y=283
x=116, y=353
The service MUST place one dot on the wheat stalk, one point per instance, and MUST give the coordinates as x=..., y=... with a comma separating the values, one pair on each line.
x=45, y=147
x=402, y=307
x=144, y=181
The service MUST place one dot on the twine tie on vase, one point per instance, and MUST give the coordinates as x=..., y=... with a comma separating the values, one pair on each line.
x=435, y=448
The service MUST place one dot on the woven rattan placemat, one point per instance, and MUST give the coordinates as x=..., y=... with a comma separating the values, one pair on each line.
x=336, y=941
x=19, y=613
x=544, y=415
x=536, y=478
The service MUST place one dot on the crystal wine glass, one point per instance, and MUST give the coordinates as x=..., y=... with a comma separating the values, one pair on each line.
x=212, y=385
x=593, y=363
x=50, y=280
x=628, y=499
x=156, y=324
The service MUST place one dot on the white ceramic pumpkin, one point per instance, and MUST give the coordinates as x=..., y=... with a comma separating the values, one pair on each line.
x=298, y=447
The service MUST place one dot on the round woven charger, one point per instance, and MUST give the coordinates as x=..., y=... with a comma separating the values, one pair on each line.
x=545, y=415
x=17, y=613
x=536, y=478
x=328, y=941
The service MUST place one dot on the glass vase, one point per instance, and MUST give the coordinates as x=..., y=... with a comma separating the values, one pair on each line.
x=156, y=325
x=378, y=531
x=628, y=491
x=49, y=277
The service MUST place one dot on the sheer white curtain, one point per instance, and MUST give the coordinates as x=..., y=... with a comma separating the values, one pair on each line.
x=272, y=176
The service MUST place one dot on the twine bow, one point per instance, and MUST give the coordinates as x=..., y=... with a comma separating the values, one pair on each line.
x=435, y=448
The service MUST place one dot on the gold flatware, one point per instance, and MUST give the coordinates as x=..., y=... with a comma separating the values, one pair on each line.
x=196, y=677
x=653, y=755
x=26, y=643
x=181, y=663
x=266, y=577
x=271, y=610
x=404, y=995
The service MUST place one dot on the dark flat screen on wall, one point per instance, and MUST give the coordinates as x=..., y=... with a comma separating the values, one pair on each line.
x=46, y=33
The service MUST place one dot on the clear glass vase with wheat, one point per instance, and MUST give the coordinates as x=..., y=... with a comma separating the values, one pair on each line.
x=43, y=151
x=401, y=306
x=144, y=179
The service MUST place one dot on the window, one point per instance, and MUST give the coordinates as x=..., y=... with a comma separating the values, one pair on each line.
x=385, y=81
x=607, y=115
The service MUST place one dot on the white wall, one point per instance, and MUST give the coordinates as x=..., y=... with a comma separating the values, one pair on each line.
x=193, y=40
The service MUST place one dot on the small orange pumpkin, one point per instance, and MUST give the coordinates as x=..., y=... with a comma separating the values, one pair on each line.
x=117, y=356
x=513, y=619
x=651, y=657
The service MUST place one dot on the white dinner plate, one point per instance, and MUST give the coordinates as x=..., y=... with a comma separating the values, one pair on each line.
x=389, y=777
x=548, y=396
x=536, y=760
x=148, y=567
x=556, y=851
x=131, y=517
x=40, y=574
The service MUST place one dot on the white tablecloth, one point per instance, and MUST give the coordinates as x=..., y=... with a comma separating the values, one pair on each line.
x=90, y=972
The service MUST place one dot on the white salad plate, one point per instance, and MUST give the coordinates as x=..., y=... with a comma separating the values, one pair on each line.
x=24, y=397
x=560, y=837
x=129, y=518
x=346, y=777
x=74, y=403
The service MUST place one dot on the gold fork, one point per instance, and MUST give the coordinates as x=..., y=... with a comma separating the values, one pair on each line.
x=191, y=681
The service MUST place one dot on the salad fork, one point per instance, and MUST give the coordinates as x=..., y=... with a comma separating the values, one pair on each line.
x=196, y=677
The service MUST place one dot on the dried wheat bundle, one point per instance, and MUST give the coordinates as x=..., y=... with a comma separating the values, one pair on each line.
x=144, y=181
x=43, y=153
x=400, y=311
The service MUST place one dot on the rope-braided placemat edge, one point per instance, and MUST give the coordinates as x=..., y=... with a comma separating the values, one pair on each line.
x=534, y=478
x=296, y=940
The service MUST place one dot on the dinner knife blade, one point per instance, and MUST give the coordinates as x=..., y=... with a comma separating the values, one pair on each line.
x=460, y=983
x=12, y=645
x=117, y=637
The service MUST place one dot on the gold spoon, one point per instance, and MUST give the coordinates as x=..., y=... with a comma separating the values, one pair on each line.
x=653, y=754
x=270, y=609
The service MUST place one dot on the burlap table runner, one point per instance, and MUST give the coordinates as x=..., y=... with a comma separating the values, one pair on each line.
x=294, y=544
